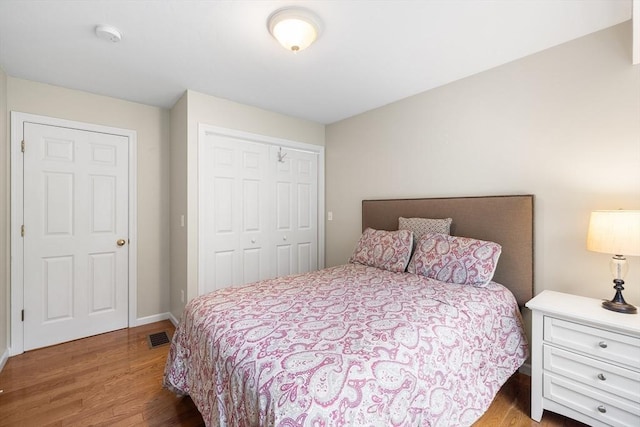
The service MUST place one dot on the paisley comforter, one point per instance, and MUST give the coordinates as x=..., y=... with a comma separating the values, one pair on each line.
x=346, y=346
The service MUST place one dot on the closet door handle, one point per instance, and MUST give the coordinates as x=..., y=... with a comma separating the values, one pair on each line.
x=602, y=409
x=601, y=377
x=602, y=344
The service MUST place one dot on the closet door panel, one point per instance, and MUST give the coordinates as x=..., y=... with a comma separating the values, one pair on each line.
x=284, y=260
x=283, y=206
x=251, y=215
x=305, y=259
x=253, y=234
x=233, y=223
x=223, y=268
x=251, y=260
x=307, y=210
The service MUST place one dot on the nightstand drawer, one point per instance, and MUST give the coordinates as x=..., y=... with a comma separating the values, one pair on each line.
x=610, y=346
x=599, y=406
x=600, y=375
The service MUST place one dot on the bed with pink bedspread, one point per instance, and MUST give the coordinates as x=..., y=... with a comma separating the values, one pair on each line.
x=347, y=346
x=412, y=332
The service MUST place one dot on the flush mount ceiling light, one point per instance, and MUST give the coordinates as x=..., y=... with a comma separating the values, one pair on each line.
x=295, y=28
x=109, y=33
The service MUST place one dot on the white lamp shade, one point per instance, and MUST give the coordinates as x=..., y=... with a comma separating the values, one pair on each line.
x=294, y=28
x=614, y=232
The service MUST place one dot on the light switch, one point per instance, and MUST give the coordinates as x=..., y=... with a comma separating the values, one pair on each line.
x=329, y=216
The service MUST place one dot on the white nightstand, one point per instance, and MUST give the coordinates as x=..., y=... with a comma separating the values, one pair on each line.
x=585, y=360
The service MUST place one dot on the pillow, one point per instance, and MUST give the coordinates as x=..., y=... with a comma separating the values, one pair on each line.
x=422, y=226
x=452, y=259
x=388, y=250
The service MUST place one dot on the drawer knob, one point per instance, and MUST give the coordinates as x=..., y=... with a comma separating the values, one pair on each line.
x=602, y=344
x=602, y=409
x=602, y=377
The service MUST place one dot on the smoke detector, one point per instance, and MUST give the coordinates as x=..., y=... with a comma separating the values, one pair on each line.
x=109, y=33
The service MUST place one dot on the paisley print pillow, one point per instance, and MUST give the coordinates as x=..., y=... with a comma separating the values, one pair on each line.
x=388, y=250
x=422, y=226
x=452, y=259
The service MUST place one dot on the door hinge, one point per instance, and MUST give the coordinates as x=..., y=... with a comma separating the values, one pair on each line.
x=23, y=315
x=22, y=231
x=22, y=145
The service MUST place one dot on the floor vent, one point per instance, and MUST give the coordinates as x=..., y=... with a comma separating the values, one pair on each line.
x=158, y=339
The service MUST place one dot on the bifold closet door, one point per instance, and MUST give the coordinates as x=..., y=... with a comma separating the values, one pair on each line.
x=258, y=211
x=295, y=192
x=233, y=223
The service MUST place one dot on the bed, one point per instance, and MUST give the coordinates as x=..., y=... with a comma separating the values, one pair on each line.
x=369, y=343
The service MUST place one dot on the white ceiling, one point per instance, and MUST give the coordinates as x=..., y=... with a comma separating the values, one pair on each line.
x=370, y=53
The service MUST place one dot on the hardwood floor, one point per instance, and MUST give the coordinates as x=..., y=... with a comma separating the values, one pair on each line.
x=112, y=379
x=115, y=379
x=512, y=406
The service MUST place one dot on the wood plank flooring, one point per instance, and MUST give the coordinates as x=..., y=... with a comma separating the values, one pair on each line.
x=115, y=379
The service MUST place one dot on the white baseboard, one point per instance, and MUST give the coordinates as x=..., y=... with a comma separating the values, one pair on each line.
x=525, y=369
x=173, y=319
x=3, y=358
x=152, y=319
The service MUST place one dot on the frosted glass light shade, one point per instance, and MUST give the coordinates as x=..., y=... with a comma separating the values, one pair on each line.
x=294, y=28
x=614, y=232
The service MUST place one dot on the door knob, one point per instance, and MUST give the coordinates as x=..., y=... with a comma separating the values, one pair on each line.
x=121, y=242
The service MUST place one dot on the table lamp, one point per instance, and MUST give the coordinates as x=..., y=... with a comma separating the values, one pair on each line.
x=618, y=233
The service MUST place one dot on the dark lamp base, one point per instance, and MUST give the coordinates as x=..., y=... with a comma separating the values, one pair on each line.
x=619, y=307
x=618, y=303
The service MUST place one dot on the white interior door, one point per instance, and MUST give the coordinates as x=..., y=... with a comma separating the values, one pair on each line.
x=76, y=205
x=233, y=220
x=295, y=195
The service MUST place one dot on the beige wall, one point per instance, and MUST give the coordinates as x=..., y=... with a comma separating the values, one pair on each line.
x=4, y=218
x=563, y=124
x=213, y=111
x=152, y=127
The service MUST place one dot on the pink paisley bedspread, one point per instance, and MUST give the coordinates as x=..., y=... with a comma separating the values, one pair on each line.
x=346, y=346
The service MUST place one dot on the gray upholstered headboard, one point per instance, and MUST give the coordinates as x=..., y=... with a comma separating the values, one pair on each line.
x=507, y=220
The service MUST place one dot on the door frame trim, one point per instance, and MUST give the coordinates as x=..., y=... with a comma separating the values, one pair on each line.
x=18, y=119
